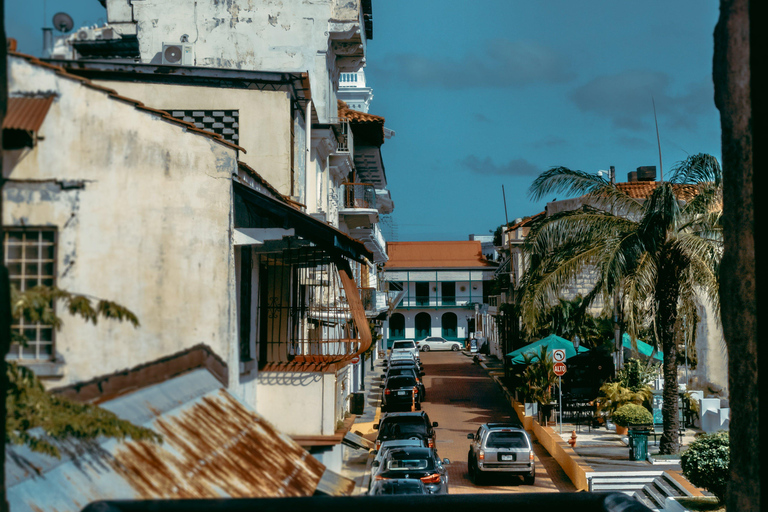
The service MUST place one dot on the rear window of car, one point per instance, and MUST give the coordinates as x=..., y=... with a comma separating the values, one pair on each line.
x=399, y=487
x=401, y=381
x=506, y=440
x=403, y=344
x=402, y=370
x=407, y=464
x=403, y=426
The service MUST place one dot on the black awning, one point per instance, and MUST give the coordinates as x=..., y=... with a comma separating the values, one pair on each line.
x=256, y=210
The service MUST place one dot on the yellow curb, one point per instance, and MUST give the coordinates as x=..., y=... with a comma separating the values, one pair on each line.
x=367, y=427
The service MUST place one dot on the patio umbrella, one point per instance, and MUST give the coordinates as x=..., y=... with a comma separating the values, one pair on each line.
x=551, y=342
x=642, y=347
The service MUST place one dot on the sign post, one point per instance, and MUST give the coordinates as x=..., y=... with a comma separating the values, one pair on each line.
x=558, y=355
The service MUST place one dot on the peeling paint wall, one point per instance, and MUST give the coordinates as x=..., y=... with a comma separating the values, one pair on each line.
x=323, y=37
x=150, y=228
x=264, y=120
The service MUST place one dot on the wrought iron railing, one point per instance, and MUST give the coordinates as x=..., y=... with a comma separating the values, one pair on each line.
x=359, y=195
x=344, y=137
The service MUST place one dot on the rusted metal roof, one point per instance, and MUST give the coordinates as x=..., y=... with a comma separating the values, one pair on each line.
x=213, y=446
x=27, y=113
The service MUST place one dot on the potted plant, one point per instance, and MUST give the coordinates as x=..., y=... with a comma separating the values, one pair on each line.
x=539, y=376
x=630, y=414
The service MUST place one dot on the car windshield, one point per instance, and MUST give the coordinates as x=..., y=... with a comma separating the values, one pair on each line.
x=401, y=381
x=506, y=440
x=402, y=345
x=403, y=426
x=399, y=487
x=407, y=464
x=404, y=370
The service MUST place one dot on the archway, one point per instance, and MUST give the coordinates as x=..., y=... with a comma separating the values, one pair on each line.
x=450, y=326
x=423, y=325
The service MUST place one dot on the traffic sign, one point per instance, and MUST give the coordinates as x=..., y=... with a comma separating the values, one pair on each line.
x=355, y=359
x=558, y=355
x=559, y=369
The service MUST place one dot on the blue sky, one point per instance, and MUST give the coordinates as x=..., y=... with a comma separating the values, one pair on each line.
x=486, y=93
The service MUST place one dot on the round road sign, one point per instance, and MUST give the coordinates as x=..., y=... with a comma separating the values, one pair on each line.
x=558, y=355
x=559, y=369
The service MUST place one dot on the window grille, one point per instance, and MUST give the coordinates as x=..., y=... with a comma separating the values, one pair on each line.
x=303, y=312
x=30, y=255
x=223, y=122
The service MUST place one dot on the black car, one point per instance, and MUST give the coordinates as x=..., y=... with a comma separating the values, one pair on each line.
x=406, y=425
x=405, y=363
x=400, y=392
x=398, y=486
x=421, y=463
x=412, y=371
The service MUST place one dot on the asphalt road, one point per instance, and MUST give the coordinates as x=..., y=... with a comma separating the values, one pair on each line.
x=460, y=397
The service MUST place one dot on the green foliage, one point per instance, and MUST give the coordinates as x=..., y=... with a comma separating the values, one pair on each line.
x=635, y=375
x=569, y=318
x=37, y=418
x=632, y=414
x=706, y=463
x=498, y=234
x=30, y=407
x=614, y=395
x=538, y=377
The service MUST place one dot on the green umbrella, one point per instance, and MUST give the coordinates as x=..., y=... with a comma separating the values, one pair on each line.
x=642, y=347
x=551, y=342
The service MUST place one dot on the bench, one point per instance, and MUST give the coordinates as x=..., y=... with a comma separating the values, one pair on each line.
x=656, y=430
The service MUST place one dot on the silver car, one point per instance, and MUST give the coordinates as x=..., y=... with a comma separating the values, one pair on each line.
x=501, y=448
x=421, y=463
x=405, y=346
x=383, y=450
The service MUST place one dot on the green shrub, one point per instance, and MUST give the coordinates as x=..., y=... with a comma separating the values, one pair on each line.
x=631, y=414
x=706, y=463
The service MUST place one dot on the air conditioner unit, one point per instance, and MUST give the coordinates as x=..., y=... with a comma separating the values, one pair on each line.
x=178, y=54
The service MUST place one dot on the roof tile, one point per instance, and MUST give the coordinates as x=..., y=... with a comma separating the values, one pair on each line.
x=27, y=113
x=457, y=254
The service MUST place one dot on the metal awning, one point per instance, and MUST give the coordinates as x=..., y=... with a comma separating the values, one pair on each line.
x=256, y=210
x=333, y=484
x=27, y=113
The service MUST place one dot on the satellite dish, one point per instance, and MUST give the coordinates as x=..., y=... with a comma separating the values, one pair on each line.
x=63, y=22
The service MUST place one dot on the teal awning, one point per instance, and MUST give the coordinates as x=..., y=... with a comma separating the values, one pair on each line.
x=551, y=342
x=642, y=347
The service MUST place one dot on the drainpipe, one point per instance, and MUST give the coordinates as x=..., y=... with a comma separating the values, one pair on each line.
x=47, y=42
x=308, y=158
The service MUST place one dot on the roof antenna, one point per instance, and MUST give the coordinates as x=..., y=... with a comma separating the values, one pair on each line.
x=658, y=141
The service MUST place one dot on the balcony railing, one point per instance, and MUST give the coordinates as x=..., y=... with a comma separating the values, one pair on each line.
x=359, y=195
x=345, y=138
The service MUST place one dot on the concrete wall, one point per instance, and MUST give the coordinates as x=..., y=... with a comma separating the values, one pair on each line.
x=264, y=120
x=298, y=403
x=150, y=228
x=322, y=37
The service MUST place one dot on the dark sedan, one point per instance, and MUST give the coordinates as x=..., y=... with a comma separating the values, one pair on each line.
x=398, y=486
x=413, y=372
x=421, y=463
x=400, y=392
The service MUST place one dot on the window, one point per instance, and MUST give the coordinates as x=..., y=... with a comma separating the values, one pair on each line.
x=422, y=294
x=449, y=294
x=30, y=254
x=396, y=326
x=450, y=322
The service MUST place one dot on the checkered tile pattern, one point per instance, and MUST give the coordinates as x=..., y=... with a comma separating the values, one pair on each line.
x=223, y=122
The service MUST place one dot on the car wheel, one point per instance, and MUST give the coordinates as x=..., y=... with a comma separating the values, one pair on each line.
x=470, y=466
x=455, y=348
x=529, y=479
x=425, y=348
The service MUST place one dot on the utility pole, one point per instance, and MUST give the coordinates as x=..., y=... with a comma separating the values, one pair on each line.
x=619, y=357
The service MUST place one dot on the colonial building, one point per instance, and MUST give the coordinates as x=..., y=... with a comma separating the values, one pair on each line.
x=443, y=285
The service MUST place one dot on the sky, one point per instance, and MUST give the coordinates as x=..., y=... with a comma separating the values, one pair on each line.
x=489, y=93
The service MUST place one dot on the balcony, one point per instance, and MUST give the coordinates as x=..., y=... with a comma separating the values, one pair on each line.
x=374, y=241
x=359, y=208
x=374, y=301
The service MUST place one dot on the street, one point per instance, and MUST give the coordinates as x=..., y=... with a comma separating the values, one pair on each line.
x=460, y=397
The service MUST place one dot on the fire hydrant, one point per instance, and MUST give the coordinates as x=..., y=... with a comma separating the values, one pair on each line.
x=572, y=440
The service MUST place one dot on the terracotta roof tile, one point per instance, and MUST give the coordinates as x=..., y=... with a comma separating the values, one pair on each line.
x=114, y=95
x=644, y=189
x=527, y=221
x=27, y=113
x=359, y=117
x=460, y=254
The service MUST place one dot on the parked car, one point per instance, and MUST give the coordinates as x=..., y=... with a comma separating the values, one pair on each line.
x=421, y=463
x=400, y=392
x=402, y=358
x=409, y=370
x=405, y=346
x=381, y=453
x=398, y=486
x=405, y=425
x=437, y=343
x=501, y=448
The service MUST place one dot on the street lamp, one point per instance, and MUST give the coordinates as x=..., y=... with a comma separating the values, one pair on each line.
x=576, y=343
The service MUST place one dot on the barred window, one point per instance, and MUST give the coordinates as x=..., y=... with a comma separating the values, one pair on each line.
x=30, y=255
x=223, y=122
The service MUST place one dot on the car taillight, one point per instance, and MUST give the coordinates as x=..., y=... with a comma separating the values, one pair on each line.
x=415, y=390
x=378, y=445
x=379, y=477
x=387, y=392
x=481, y=455
x=530, y=455
x=431, y=444
x=431, y=479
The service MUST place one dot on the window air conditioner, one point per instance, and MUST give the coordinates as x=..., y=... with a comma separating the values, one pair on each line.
x=177, y=54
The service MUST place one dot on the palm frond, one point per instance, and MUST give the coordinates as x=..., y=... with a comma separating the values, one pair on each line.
x=698, y=168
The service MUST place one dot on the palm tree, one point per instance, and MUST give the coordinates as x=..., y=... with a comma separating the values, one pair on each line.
x=661, y=255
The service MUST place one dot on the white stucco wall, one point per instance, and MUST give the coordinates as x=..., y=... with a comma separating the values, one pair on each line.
x=323, y=37
x=298, y=403
x=150, y=229
x=264, y=120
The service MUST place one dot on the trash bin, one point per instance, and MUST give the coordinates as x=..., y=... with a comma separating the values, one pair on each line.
x=357, y=403
x=638, y=443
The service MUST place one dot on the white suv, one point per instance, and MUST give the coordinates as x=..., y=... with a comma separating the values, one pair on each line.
x=405, y=346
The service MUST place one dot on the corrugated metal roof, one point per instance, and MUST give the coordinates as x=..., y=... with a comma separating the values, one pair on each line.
x=27, y=113
x=213, y=446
